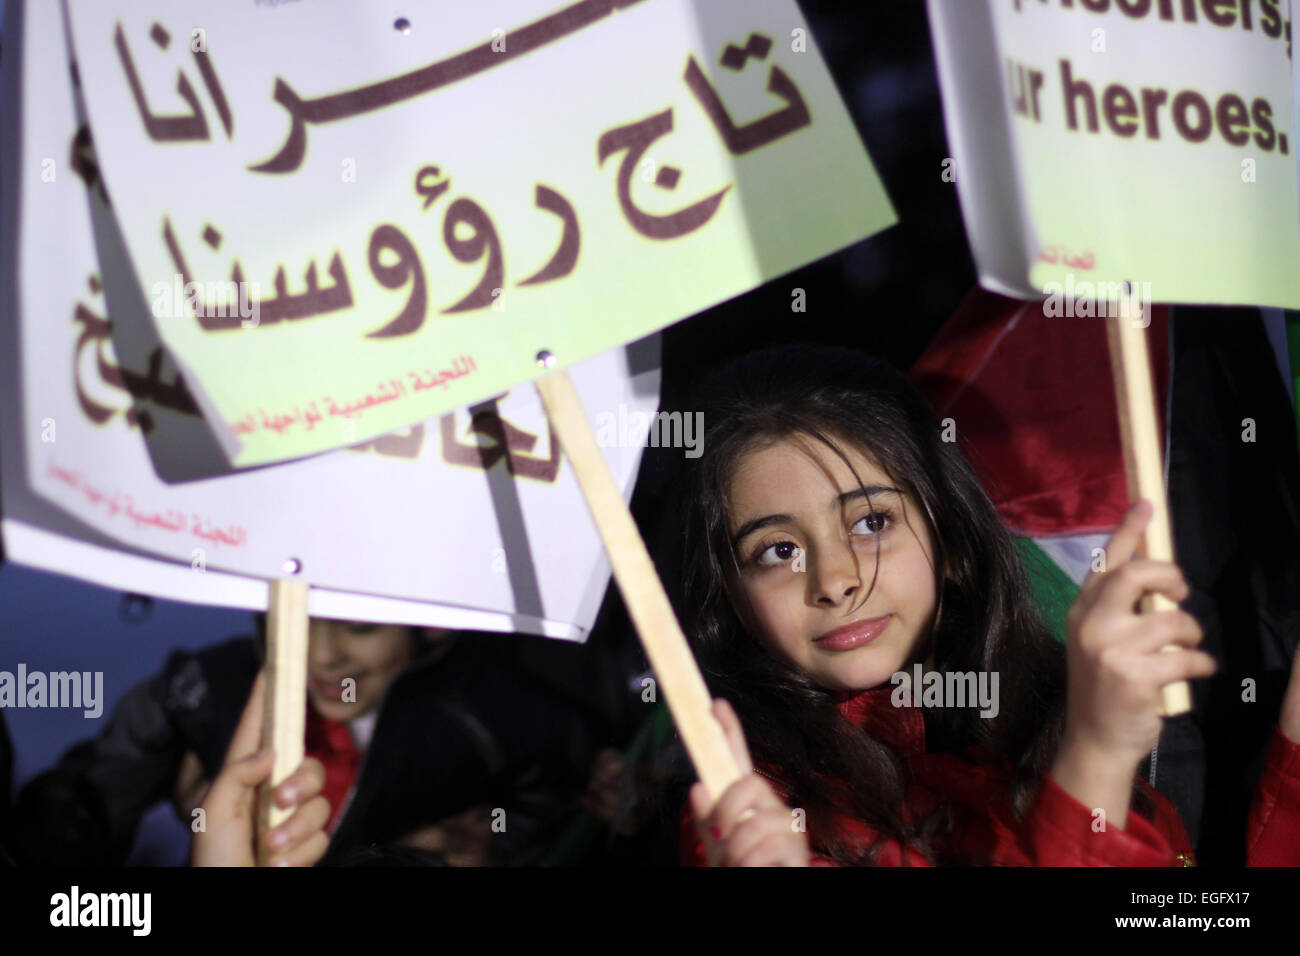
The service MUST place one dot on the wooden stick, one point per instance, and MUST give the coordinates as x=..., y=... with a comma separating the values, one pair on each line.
x=285, y=726
x=643, y=593
x=1143, y=465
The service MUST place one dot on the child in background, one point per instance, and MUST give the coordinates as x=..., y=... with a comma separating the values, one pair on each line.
x=420, y=735
x=168, y=736
x=832, y=542
x=350, y=667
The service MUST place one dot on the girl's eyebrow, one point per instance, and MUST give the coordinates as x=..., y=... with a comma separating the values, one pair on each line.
x=768, y=520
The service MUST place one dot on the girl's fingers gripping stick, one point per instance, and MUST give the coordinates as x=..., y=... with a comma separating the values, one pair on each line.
x=735, y=735
x=735, y=740
x=248, y=734
x=1139, y=432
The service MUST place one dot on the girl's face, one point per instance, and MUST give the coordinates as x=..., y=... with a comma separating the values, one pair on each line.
x=806, y=542
x=370, y=654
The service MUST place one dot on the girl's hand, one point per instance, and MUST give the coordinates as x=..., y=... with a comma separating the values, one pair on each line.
x=766, y=836
x=231, y=803
x=1116, y=665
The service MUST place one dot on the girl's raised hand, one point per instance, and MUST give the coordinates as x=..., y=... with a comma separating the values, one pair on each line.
x=1116, y=662
x=231, y=803
x=749, y=825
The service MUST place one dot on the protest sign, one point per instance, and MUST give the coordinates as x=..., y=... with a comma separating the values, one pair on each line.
x=1143, y=140
x=464, y=520
x=344, y=223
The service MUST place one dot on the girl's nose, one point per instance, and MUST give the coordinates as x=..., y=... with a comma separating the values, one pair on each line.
x=324, y=651
x=834, y=575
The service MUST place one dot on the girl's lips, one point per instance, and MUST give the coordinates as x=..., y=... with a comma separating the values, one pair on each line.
x=331, y=689
x=853, y=635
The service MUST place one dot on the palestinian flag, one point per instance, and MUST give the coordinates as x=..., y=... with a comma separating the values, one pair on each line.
x=1033, y=407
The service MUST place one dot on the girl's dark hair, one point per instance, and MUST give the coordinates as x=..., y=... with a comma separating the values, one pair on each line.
x=988, y=619
x=416, y=632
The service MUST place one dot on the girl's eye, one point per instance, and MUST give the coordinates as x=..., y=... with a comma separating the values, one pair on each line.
x=877, y=522
x=777, y=553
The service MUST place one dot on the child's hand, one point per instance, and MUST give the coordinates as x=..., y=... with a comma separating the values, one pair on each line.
x=766, y=836
x=231, y=803
x=1116, y=665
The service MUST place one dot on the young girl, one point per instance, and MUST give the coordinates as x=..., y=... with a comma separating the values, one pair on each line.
x=475, y=752
x=833, y=543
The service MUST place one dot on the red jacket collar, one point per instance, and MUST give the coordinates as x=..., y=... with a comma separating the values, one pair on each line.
x=902, y=728
x=330, y=743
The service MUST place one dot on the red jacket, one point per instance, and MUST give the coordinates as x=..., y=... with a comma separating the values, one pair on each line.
x=1058, y=830
x=330, y=742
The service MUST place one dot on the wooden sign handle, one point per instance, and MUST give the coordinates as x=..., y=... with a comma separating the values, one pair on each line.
x=285, y=727
x=665, y=645
x=1143, y=467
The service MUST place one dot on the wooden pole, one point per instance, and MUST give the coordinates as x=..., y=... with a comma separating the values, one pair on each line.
x=286, y=696
x=665, y=645
x=1140, y=434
